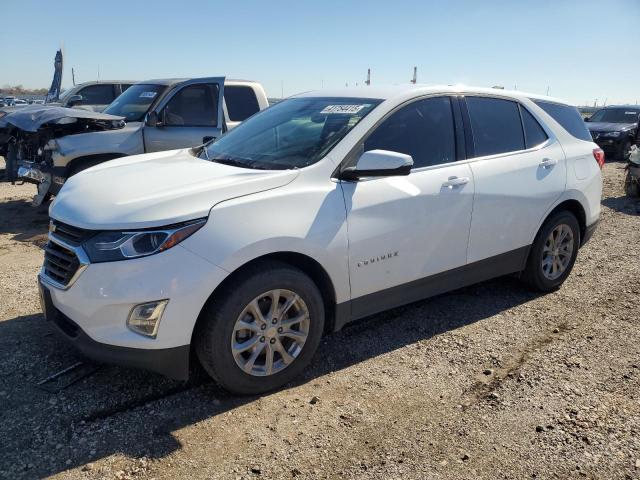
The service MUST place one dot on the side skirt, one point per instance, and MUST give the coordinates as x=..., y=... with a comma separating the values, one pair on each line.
x=503, y=264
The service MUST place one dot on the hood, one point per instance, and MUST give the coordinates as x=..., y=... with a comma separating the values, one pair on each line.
x=126, y=141
x=156, y=189
x=32, y=117
x=609, y=127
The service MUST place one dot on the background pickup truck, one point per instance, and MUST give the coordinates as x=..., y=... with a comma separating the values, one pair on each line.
x=47, y=145
x=94, y=96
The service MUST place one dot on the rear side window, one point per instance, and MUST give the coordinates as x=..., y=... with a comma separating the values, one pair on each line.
x=496, y=126
x=97, y=94
x=568, y=117
x=241, y=102
x=534, y=134
x=423, y=129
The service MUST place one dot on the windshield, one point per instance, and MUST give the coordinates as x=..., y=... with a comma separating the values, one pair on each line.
x=293, y=133
x=616, y=115
x=134, y=103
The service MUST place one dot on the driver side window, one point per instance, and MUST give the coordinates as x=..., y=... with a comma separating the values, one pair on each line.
x=193, y=106
x=423, y=129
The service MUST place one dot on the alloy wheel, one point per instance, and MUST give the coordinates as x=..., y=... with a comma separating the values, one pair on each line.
x=557, y=252
x=270, y=332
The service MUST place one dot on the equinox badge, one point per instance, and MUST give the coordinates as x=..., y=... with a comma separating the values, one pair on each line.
x=386, y=256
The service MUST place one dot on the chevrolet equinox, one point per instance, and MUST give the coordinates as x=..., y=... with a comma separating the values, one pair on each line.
x=322, y=209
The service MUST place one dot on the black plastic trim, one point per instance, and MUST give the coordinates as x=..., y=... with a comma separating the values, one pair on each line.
x=589, y=231
x=504, y=264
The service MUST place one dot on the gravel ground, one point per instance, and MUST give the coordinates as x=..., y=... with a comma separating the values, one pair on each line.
x=487, y=382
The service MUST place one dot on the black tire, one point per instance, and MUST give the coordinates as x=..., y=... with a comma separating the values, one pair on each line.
x=212, y=339
x=533, y=274
x=625, y=150
x=631, y=186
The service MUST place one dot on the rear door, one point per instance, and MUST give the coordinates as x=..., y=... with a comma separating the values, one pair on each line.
x=519, y=171
x=190, y=115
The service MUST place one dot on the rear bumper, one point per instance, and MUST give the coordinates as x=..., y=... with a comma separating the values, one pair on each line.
x=171, y=362
x=589, y=231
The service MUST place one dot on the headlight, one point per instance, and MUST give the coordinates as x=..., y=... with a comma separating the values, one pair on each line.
x=611, y=134
x=111, y=246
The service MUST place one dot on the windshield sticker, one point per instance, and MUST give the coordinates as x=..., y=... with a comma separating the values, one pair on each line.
x=342, y=109
x=148, y=94
x=630, y=113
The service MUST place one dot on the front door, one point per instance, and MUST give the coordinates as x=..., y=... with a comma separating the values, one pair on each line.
x=190, y=115
x=404, y=229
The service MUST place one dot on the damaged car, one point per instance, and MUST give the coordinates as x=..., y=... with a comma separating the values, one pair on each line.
x=28, y=140
x=46, y=145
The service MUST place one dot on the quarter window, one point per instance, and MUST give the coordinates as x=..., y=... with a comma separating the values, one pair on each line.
x=424, y=129
x=241, y=102
x=568, y=117
x=193, y=106
x=496, y=125
x=534, y=134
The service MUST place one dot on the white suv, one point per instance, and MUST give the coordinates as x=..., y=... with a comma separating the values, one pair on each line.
x=324, y=208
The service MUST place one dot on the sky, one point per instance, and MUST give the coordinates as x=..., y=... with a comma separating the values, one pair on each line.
x=577, y=50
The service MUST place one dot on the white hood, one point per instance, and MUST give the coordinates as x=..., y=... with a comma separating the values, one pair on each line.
x=156, y=189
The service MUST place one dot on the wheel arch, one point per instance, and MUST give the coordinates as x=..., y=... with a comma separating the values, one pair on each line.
x=307, y=264
x=575, y=207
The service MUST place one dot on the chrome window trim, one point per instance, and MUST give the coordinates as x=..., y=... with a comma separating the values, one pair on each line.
x=78, y=252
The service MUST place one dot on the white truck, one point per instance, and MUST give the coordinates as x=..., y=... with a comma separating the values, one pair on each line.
x=46, y=145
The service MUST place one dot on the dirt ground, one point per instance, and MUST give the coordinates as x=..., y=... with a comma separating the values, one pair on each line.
x=488, y=382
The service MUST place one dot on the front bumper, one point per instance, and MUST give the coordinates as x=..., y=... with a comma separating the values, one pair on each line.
x=171, y=362
x=610, y=145
x=95, y=308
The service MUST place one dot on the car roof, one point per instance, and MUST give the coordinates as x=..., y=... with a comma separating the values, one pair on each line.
x=98, y=82
x=634, y=107
x=174, y=81
x=415, y=90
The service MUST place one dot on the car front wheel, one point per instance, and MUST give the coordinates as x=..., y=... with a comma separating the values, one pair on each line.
x=262, y=329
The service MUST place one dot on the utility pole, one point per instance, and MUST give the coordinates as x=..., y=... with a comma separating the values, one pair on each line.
x=368, y=81
x=547, y=90
x=73, y=77
x=281, y=88
x=415, y=75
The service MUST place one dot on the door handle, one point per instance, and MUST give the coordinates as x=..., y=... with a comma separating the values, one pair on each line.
x=548, y=162
x=207, y=139
x=455, y=181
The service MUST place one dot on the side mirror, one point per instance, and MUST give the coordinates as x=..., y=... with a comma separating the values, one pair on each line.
x=74, y=100
x=587, y=119
x=379, y=163
x=153, y=120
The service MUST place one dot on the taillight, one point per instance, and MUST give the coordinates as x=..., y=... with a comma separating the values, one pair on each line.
x=598, y=154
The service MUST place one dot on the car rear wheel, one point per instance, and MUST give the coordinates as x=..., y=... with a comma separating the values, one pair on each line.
x=553, y=252
x=262, y=329
x=625, y=150
x=631, y=185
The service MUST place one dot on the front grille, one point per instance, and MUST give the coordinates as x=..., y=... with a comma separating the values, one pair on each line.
x=60, y=263
x=69, y=233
